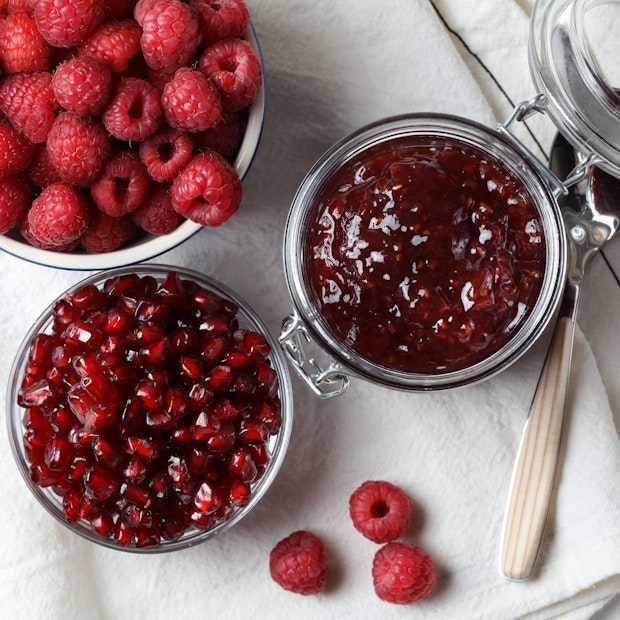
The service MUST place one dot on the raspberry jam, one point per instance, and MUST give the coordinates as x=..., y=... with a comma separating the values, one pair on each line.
x=424, y=254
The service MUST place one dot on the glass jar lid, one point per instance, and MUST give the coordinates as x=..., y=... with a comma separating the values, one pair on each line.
x=573, y=52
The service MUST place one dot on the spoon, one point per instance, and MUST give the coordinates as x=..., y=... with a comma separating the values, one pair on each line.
x=591, y=217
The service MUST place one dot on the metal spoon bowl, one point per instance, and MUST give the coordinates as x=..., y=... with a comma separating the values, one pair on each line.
x=592, y=216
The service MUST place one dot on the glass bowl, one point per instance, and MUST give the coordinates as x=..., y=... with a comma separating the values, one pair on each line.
x=346, y=307
x=146, y=246
x=213, y=462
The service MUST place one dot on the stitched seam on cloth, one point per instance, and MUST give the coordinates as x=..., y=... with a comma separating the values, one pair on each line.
x=486, y=70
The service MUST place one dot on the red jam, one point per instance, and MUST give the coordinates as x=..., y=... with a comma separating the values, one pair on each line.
x=424, y=254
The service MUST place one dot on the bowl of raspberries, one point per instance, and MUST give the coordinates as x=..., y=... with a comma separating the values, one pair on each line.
x=125, y=126
x=149, y=408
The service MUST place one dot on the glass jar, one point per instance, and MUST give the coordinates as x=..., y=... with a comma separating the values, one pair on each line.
x=573, y=62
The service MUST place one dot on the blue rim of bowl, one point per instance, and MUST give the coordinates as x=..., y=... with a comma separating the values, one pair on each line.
x=150, y=246
x=278, y=444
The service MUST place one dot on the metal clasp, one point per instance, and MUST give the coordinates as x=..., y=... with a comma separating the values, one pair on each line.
x=559, y=187
x=325, y=383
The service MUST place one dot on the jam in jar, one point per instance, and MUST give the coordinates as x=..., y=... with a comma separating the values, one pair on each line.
x=424, y=254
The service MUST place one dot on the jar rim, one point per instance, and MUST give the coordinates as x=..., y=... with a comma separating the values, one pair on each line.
x=434, y=125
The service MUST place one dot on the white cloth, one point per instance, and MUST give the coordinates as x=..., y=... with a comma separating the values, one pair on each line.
x=332, y=67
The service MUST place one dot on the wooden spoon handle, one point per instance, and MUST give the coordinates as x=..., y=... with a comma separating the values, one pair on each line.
x=534, y=473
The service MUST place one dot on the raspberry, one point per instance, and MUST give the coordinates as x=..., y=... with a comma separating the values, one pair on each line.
x=156, y=214
x=380, y=510
x=207, y=191
x=170, y=35
x=106, y=233
x=24, y=230
x=22, y=48
x=114, y=43
x=226, y=137
x=14, y=202
x=235, y=69
x=77, y=147
x=59, y=215
x=122, y=184
x=166, y=152
x=65, y=23
x=190, y=102
x=41, y=172
x=133, y=112
x=28, y=101
x=82, y=85
x=14, y=6
x=298, y=563
x=221, y=19
x=16, y=151
x=142, y=7
x=402, y=573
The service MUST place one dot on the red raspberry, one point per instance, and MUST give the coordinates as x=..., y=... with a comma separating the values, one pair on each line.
x=106, y=233
x=22, y=48
x=59, y=215
x=65, y=23
x=166, y=152
x=134, y=112
x=16, y=151
x=156, y=214
x=221, y=19
x=114, y=43
x=82, y=85
x=13, y=6
x=14, y=202
x=190, y=102
x=207, y=191
x=122, y=184
x=226, y=137
x=77, y=147
x=170, y=35
x=298, y=563
x=402, y=573
x=41, y=172
x=380, y=510
x=28, y=101
x=235, y=69
x=25, y=233
x=142, y=7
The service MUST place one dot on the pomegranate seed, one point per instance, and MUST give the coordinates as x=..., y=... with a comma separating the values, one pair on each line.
x=132, y=415
x=225, y=410
x=43, y=476
x=256, y=346
x=199, y=397
x=190, y=369
x=61, y=419
x=119, y=285
x=62, y=356
x=159, y=485
x=219, y=379
x=146, y=449
x=83, y=335
x=123, y=375
x=199, y=460
x=149, y=394
x=41, y=349
x=64, y=315
x=58, y=454
x=178, y=472
x=239, y=493
x=87, y=297
x=119, y=322
x=71, y=505
x=243, y=386
x=88, y=504
x=267, y=380
x=147, y=537
x=151, y=310
x=176, y=402
x=154, y=354
x=77, y=467
x=107, y=453
x=242, y=465
x=252, y=430
x=137, y=494
x=236, y=358
x=88, y=365
x=100, y=417
x=182, y=340
x=183, y=434
x=102, y=523
x=171, y=287
x=224, y=439
x=123, y=534
x=135, y=471
x=215, y=325
x=207, y=301
x=172, y=526
x=42, y=394
x=205, y=426
x=269, y=413
x=160, y=419
x=212, y=350
x=206, y=499
x=260, y=453
x=100, y=482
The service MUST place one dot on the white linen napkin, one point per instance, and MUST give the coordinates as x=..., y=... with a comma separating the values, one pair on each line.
x=331, y=68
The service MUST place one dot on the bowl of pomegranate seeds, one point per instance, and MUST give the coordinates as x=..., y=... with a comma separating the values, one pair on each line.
x=421, y=252
x=125, y=127
x=149, y=408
